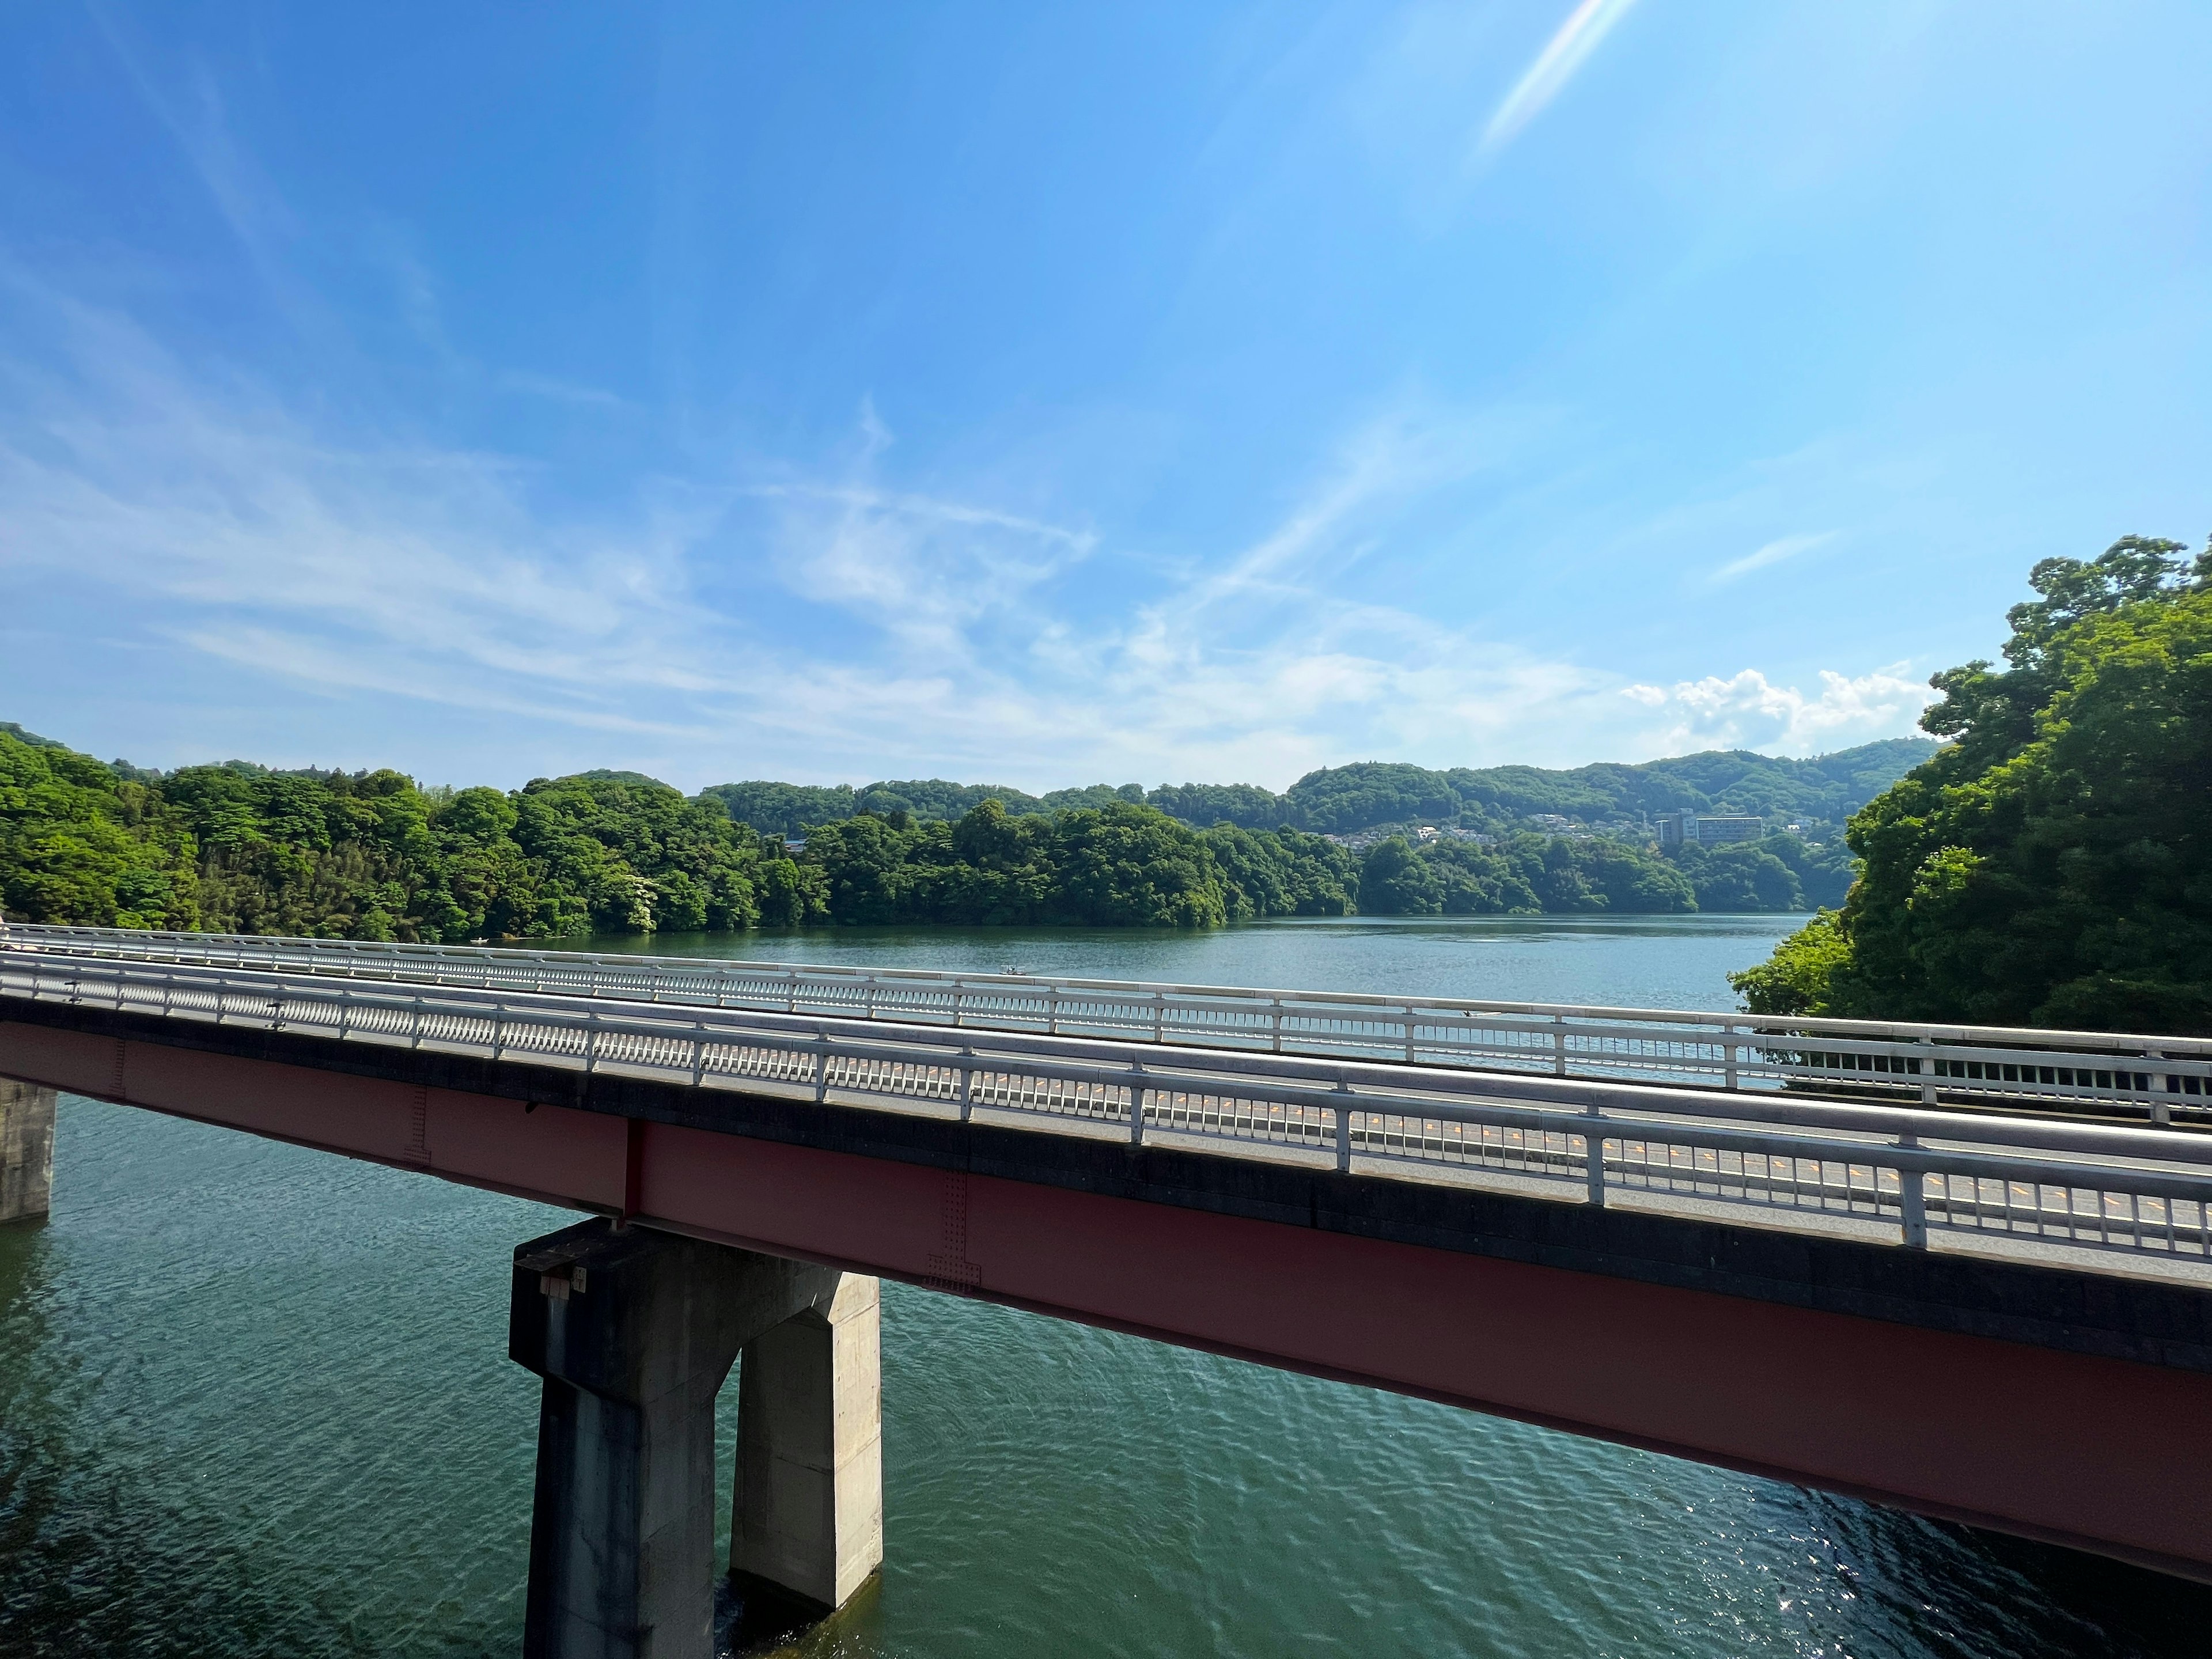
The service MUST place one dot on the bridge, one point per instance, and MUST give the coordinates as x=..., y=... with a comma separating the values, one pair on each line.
x=1964, y=1272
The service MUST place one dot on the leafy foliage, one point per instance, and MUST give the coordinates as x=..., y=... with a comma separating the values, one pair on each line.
x=1119, y=865
x=1528, y=875
x=240, y=848
x=2049, y=867
x=1345, y=798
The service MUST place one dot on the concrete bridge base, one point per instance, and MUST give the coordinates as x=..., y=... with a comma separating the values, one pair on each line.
x=807, y=1518
x=634, y=1332
x=26, y=1151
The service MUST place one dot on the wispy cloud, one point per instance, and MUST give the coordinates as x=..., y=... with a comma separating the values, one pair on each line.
x=821, y=624
x=1565, y=53
x=1773, y=552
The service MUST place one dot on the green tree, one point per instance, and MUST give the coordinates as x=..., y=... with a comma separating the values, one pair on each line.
x=1396, y=881
x=2049, y=866
x=1127, y=866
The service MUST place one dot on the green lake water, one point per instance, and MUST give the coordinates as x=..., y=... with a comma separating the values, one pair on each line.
x=254, y=1401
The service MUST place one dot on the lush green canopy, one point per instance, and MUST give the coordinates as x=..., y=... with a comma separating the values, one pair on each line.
x=238, y=847
x=1119, y=865
x=1342, y=799
x=2051, y=865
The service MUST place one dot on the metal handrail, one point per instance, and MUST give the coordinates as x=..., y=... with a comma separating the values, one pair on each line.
x=1372, y=1114
x=2152, y=1075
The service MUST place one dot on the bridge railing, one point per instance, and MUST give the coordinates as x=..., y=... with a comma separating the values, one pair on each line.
x=2157, y=1077
x=2066, y=1185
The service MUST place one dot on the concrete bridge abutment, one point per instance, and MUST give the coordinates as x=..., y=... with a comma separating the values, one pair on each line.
x=26, y=1151
x=634, y=1332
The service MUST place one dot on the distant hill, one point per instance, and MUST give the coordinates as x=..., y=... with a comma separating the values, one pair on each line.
x=1340, y=799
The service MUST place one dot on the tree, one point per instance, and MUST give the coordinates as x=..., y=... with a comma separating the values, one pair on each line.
x=2049, y=866
x=1396, y=881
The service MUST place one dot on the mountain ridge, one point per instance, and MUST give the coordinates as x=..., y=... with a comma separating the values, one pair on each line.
x=1823, y=789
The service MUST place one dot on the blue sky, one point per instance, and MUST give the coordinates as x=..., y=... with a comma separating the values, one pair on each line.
x=1057, y=394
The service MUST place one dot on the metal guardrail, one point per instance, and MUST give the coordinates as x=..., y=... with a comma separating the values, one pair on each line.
x=2077, y=1186
x=2154, y=1077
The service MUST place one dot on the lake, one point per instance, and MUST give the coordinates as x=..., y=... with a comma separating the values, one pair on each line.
x=254, y=1401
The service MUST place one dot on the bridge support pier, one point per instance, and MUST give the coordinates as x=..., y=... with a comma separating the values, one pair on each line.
x=807, y=1516
x=26, y=1151
x=634, y=1332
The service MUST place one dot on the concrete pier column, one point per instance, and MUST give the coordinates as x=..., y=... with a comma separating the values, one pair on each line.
x=633, y=1332
x=26, y=1151
x=807, y=1518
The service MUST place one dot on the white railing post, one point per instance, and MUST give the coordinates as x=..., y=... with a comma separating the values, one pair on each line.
x=1728, y=1055
x=699, y=1055
x=957, y=990
x=1159, y=1015
x=1410, y=1017
x=1344, y=1127
x=590, y=1041
x=822, y=1071
x=1052, y=1011
x=1594, y=1155
x=414, y=1038
x=967, y=1085
x=1137, y=1105
x=790, y=990
x=1912, y=1200
x=1275, y=1025
x=1928, y=1074
x=1559, y=1045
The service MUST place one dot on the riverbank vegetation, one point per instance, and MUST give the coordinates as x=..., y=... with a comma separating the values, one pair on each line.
x=238, y=848
x=2051, y=867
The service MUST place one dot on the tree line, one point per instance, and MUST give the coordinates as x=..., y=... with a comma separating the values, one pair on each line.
x=2052, y=865
x=1344, y=800
x=242, y=848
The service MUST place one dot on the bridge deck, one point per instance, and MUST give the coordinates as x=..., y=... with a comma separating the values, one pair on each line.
x=1922, y=1307
x=2140, y=1077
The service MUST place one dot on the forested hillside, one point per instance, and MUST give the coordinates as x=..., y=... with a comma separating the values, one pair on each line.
x=238, y=848
x=2052, y=866
x=369, y=855
x=1825, y=790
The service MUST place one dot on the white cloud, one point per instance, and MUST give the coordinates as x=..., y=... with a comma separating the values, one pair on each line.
x=1545, y=78
x=1773, y=552
x=1748, y=711
x=819, y=624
